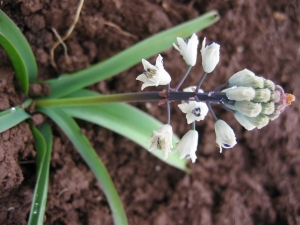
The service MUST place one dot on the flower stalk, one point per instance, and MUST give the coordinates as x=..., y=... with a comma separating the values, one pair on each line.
x=216, y=97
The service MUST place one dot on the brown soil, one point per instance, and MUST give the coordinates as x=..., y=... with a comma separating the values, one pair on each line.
x=256, y=182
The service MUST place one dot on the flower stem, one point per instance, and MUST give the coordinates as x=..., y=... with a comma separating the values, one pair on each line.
x=183, y=78
x=221, y=87
x=101, y=99
x=217, y=97
x=194, y=125
x=168, y=106
x=200, y=82
x=211, y=111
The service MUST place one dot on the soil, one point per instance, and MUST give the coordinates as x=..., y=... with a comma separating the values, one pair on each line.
x=256, y=182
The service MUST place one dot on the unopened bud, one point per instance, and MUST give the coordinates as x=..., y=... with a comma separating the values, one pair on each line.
x=262, y=95
x=243, y=121
x=246, y=78
x=269, y=84
x=259, y=121
x=240, y=93
x=267, y=108
x=248, y=108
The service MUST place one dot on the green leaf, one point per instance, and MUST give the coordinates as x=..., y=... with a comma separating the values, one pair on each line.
x=43, y=145
x=72, y=130
x=19, y=51
x=13, y=116
x=125, y=120
x=67, y=84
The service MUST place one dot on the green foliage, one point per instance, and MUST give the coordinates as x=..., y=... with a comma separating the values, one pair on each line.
x=13, y=116
x=81, y=143
x=43, y=146
x=67, y=84
x=19, y=52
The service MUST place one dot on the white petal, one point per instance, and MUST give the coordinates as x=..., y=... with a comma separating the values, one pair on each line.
x=184, y=107
x=159, y=62
x=190, y=117
x=148, y=65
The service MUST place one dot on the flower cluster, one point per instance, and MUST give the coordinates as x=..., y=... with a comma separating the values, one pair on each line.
x=256, y=100
x=253, y=100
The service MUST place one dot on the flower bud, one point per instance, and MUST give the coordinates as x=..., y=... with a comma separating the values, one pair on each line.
x=262, y=95
x=210, y=56
x=269, y=84
x=248, y=108
x=188, y=145
x=225, y=136
x=188, y=49
x=273, y=116
x=246, y=78
x=240, y=93
x=267, y=108
x=243, y=121
x=259, y=121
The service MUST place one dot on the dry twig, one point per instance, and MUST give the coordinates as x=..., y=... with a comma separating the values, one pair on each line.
x=65, y=37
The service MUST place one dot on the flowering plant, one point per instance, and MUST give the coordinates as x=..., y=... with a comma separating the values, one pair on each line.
x=253, y=101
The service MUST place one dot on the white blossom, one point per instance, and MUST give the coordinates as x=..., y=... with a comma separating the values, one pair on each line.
x=194, y=111
x=188, y=49
x=210, y=56
x=225, y=136
x=154, y=75
x=162, y=140
x=187, y=146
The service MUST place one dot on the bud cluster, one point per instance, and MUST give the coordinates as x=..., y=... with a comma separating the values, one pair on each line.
x=256, y=99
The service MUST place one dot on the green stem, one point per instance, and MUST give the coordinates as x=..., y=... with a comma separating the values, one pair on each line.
x=102, y=99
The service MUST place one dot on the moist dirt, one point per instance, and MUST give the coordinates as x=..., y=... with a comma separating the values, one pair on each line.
x=256, y=182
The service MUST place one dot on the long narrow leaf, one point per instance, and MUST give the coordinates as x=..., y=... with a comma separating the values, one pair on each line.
x=15, y=117
x=72, y=130
x=126, y=120
x=43, y=146
x=24, y=105
x=18, y=50
x=67, y=84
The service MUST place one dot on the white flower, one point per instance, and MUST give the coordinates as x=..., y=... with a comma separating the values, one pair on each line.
x=154, y=75
x=194, y=111
x=188, y=49
x=210, y=56
x=162, y=140
x=187, y=146
x=225, y=136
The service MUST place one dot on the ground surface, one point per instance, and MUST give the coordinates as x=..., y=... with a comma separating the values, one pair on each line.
x=256, y=182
